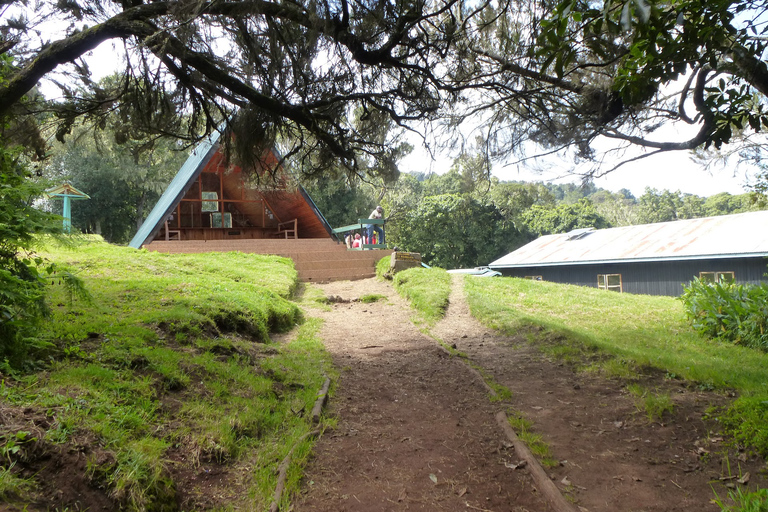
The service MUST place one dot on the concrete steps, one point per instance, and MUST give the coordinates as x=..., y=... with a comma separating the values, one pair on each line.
x=316, y=260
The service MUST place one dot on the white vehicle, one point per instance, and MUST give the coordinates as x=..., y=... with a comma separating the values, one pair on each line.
x=477, y=272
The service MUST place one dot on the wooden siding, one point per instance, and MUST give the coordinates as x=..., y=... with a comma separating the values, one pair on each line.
x=255, y=211
x=651, y=278
x=289, y=205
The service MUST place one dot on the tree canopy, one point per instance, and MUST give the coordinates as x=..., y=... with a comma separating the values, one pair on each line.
x=328, y=78
x=123, y=180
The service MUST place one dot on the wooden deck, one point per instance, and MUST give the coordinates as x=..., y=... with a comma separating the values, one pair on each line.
x=316, y=260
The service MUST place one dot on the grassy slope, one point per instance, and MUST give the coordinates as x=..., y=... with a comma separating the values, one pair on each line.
x=173, y=352
x=638, y=330
x=427, y=290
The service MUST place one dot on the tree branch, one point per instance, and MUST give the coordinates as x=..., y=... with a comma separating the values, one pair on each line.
x=69, y=49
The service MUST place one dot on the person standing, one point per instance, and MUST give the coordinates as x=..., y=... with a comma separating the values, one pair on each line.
x=377, y=213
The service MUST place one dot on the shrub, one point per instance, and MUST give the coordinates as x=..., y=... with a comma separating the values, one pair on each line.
x=730, y=312
x=22, y=274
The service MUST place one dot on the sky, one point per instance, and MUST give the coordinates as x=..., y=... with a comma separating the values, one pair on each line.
x=671, y=171
x=674, y=171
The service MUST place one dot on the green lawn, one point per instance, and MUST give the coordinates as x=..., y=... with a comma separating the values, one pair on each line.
x=172, y=352
x=637, y=330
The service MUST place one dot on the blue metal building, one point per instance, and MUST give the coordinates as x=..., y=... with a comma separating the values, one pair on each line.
x=653, y=259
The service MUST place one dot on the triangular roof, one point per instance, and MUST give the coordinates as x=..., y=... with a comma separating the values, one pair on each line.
x=728, y=236
x=66, y=190
x=208, y=154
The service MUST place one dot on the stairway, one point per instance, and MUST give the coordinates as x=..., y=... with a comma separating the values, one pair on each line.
x=316, y=259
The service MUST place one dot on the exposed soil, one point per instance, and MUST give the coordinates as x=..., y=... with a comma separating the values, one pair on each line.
x=416, y=428
x=59, y=470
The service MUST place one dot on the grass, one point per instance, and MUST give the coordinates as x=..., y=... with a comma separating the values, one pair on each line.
x=382, y=266
x=371, y=297
x=173, y=352
x=13, y=487
x=427, y=290
x=654, y=405
x=630, y=332
x=744, y=501
x=535, y=442
x=313, y=297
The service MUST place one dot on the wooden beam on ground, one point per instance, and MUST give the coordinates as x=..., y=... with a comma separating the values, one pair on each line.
x=548, y=489
x=322, y=398
x=282, y=471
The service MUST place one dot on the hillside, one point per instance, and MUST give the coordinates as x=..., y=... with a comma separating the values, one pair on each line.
x=167, y=390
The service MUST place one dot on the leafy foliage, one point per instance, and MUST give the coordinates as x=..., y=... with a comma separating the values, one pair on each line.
x=637, y=47
x=545, y=220
x=453, y=231
x=22, y=274
x=737, y=313
x=122, y=179
x=341, y=202
x=326, y=79
x=519, y=211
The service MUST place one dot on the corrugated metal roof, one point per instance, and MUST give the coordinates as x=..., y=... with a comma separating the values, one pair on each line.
x=176, y=190
x=728, y=236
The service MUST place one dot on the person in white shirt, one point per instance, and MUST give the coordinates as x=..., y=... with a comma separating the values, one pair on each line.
x=377, y=213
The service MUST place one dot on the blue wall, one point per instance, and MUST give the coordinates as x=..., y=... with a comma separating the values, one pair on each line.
x=652, y=278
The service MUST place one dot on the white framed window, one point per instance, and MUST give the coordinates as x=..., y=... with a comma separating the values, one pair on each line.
x=210, y=201
x=609, y=282
x=717, y=277
x=219, y=220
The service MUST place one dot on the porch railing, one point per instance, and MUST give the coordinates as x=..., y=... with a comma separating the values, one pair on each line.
x=360, y=226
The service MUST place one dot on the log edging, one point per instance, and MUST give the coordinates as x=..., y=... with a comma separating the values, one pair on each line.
x=282, y=470
x=540, y=478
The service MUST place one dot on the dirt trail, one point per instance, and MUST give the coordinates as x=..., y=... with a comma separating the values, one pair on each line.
x=416, y=430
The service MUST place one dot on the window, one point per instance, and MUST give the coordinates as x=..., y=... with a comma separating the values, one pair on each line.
x=217, y=221
x=717, y=277
x=610, y=282
x=533, y=278
x=210, y=201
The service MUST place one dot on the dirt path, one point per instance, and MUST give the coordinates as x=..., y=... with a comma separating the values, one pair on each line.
x=416, y=430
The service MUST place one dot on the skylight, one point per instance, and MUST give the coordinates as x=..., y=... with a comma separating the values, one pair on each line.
x=576, y=234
